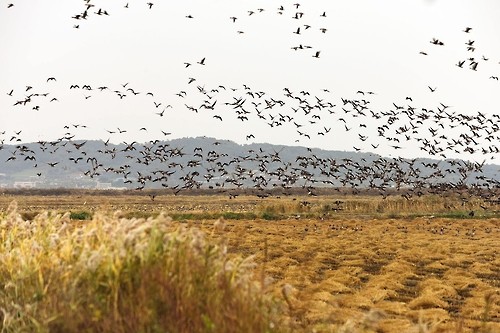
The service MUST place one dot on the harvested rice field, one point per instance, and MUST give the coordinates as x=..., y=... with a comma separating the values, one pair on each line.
x=329, y=264
x=441, y=271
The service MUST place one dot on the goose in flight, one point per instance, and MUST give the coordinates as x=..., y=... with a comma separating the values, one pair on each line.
x=436, y=42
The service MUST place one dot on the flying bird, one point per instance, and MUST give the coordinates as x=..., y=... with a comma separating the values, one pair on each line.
x=436, y=42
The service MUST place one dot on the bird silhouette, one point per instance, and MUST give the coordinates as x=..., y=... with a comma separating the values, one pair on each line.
x=436, y=42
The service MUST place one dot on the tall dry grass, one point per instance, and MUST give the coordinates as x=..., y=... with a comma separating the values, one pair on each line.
x=113, y=274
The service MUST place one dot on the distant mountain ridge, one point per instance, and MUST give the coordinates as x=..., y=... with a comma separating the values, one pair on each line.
x=203, y=162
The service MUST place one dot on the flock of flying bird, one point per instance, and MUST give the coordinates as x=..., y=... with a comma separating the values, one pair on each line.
x=469, y=57
x=257, y=168
x=437, y=129
x=295, y=11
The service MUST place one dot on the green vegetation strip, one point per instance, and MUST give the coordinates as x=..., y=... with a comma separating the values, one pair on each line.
x=274, y=216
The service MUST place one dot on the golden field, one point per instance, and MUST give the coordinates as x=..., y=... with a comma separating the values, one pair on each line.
x=298, y=264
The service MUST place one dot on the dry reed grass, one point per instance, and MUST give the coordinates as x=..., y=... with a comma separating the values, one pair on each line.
x=112, y=274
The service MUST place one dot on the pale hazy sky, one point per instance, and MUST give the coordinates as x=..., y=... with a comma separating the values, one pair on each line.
x=369, y=45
